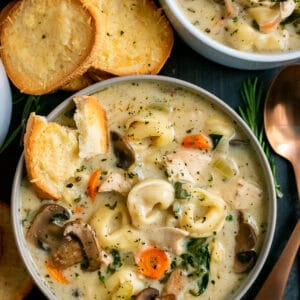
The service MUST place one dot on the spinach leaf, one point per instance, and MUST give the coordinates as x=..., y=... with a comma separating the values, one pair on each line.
x=197, y=263
x=294, y=19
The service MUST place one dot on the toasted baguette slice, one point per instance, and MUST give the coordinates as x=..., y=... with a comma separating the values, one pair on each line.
x=51, y=155
x=78, y=83
x=91, y=121
x=5, y=11
x=15, y=281
x=138, y=38
x=46, y=44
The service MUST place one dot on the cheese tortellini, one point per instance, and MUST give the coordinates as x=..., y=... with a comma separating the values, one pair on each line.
x=203, y=215
x=148, y=200
x=150, y=124
x=113, y=227
x=123, y=284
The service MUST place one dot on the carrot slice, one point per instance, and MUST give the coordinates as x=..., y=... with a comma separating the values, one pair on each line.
x=153, y=262
x=196, y=141
x=270, y=25
x=56, y=274
x=93, y=184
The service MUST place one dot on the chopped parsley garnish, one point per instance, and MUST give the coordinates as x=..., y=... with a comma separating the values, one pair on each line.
x=229, y=218
x=117, y=262
x=180, y=192
x=101, y=277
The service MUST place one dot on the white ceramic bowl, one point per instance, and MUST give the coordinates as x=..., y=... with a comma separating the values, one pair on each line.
x=218, y=52
x=5, y=104
x=219, y=104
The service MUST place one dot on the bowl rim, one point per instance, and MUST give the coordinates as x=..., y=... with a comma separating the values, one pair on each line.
x=270, y=186
x=266, y=57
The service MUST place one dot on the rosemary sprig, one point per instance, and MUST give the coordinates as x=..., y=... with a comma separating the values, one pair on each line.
x=251, y=112
x=30, y=103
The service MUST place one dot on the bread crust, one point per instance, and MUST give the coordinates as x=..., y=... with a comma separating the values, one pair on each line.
x=98, y=75
x=5, y=11
x=41, y=58
x=15, y=281
x=45, y=162
x=34, y=128
x=137, y=39
x=78, y=83
x=91, y=121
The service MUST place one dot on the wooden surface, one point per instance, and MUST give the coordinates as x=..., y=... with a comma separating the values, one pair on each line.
x=225, y=83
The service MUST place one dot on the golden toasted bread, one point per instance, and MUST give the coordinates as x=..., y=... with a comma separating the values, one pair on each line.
x=90, y=119
x=51, y=154
x=136, y=39
x=4, y=12
x=15, y=281
x=46, y=44
x=98, y=75
x=78, y=83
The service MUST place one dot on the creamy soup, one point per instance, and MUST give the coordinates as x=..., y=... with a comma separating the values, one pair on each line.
x=183, y=213
x=247, y=25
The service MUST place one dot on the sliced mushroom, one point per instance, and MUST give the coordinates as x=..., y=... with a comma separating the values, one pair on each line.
x=122, y=150
x=67, y=254
x=245, y=242
x=147, y=294
x=87, y=237
x=175, y=283
x=244, y=261
x=167, y=237
x=43, y=230
x=239, y=142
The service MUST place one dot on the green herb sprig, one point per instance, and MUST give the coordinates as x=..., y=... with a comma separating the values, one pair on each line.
x=251, y=112
x=30, y=103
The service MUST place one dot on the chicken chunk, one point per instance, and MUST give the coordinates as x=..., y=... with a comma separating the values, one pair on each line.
x=190, y=166
x=116, y=182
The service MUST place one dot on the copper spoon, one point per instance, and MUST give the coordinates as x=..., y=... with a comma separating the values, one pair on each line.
x=282, y=126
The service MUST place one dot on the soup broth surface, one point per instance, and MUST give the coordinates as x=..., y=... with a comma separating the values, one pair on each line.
x=171, y=185
x=246, y=25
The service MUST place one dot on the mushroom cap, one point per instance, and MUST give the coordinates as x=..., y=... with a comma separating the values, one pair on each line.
x=122, y=150
x=87, y=237
x=68, y=253
x=44, y=228
x=246, y=238
x=147, y=294
x=245, y=242
x=244, y=261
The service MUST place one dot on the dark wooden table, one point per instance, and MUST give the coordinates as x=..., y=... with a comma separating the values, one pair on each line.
x=225, y=83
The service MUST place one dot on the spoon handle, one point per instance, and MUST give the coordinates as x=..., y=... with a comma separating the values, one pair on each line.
x=274, y=286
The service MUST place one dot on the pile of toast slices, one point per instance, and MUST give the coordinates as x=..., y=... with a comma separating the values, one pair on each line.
x=48, y=45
